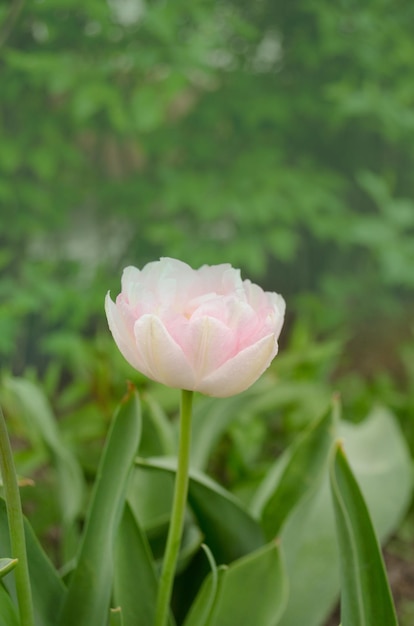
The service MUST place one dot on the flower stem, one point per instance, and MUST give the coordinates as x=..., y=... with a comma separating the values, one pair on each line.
x=16, y=527
x=177, y=515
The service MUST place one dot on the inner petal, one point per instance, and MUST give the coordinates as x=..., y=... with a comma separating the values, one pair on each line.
x=210, y=343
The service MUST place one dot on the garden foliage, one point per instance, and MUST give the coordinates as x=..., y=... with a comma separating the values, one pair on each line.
x=276, y=137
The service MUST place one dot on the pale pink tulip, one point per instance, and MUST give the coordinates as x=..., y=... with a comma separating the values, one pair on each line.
x=204, y=330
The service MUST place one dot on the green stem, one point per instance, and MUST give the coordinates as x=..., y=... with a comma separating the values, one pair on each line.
x=16, y=527
x=177, y=514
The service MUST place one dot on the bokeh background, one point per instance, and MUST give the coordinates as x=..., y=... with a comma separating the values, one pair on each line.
x=277, y=136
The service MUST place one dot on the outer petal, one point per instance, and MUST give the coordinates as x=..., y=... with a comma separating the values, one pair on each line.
x=279, y=305
x=121, y=333
x=164, y=360
x=240, y=372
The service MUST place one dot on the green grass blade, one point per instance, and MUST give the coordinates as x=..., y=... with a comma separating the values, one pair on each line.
x=89, y=590
x=365, y=594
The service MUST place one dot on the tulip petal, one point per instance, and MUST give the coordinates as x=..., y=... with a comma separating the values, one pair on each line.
x=121, y=333
x=164, y=359
x=210, y=344
x=238, y=373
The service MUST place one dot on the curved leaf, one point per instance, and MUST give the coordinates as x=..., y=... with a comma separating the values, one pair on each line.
x=8, y=612
x=203, y=605
x=89, y=590
x=380, y=460
x=135, y=580
x=42, y=425
x=300, y=474
x=218, y=514
x=48, y=589
x=6, y=566
x=365, y=594
x=252, y=590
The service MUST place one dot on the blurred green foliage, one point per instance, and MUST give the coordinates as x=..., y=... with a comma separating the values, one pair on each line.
x=275, y=136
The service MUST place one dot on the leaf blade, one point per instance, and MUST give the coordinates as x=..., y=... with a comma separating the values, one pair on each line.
x=301, y=473
x=262, y=573
x=365, y=595
x=218, y=513
x=89, y=589
x=134, y=570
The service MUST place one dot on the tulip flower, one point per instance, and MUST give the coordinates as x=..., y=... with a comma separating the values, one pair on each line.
x=203, y=330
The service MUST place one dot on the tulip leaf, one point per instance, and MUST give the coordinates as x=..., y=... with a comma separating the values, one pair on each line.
x=150, y=495
x=251, y=590
x=218, y=514
x=202, y=608
x=89, y=590
x=150, y=498
x=47, y=588
x=381, y=462
x=40, y=421
x=163, y=430
x=201, y=611
x=135, y=580
x=365, y=594
x=116, y=617
x=6, y=566
x=211, y=418
x=8, y=611
x=298, y=474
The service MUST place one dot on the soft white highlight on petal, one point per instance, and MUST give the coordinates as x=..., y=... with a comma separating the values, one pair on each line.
x=123, y=336
x=206, y=330
x=162, y=357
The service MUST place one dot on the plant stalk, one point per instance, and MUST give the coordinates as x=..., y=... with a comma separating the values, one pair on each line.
x=177, y=515
x=16, y=526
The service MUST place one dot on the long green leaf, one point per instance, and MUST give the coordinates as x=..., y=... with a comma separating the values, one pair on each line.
x=302, y=472
x=8, y=612
x=365, y=594
x=47, y=588
x=380, y=459
x=135, y=580
x=218, y=514
x=40, y=421
x=252, y=590
x=88, y=598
